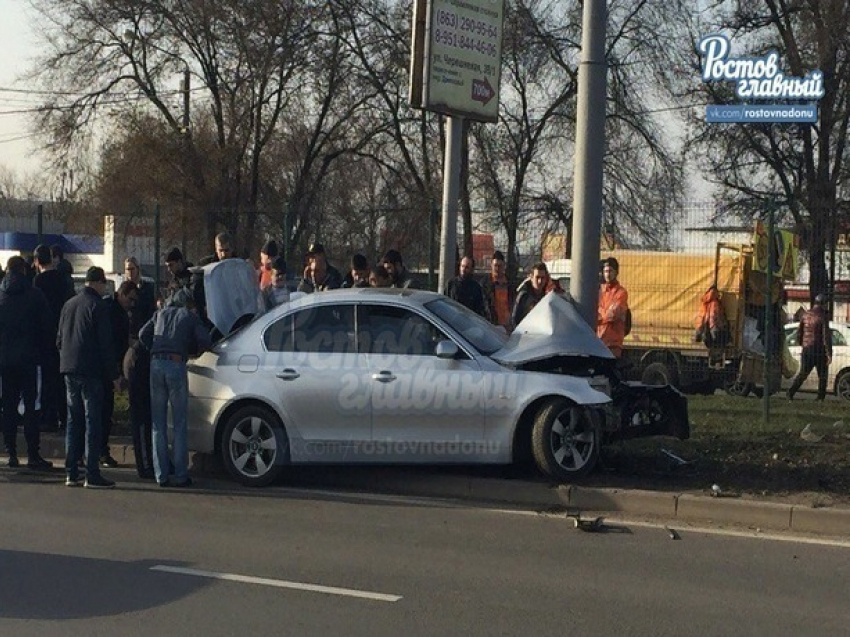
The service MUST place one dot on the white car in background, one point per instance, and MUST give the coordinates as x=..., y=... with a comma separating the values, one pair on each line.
x=839, y=369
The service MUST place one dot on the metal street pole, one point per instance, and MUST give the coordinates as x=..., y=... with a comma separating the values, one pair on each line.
x=590, y=151
x=451, y=193
x=768, y=312
x=156, y=250
x=432, y=244
x=185, y=87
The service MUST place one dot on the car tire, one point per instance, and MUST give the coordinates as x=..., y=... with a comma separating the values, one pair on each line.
x=659, y=373
x=254, y=446
x=565, y=440
x=842, y=385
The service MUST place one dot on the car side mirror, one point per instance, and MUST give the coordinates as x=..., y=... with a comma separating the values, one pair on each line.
x=446, y=349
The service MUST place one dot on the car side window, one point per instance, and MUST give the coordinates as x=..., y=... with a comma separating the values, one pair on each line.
x=837, y=338
x=326, y=329
x=395, y=330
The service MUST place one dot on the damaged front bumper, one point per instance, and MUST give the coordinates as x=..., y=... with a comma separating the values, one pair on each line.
x=639, y=410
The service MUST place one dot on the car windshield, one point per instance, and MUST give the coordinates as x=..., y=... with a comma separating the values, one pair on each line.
x=483, y=336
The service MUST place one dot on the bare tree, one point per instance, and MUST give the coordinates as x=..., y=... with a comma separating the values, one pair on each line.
x=107, y=55
x=800, y=168
x=523, y=172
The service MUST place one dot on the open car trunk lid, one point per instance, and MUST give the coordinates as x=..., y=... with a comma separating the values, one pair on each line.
x=232, y=293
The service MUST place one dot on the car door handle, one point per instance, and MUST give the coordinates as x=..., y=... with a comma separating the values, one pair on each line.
x=288, y=374
x=384, y=377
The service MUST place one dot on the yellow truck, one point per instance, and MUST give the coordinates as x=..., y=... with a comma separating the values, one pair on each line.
x=665, y=291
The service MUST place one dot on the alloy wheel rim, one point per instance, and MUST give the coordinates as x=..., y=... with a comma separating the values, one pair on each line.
x=253, y=447
x=844, y=387
x=571, y=440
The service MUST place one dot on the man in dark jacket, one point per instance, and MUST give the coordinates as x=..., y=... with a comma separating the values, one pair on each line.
x=401, y=277
x=24, y=329
x=178, y=268
x=532, y=290
x=55, y=288
x=137, y=368
x=86, y=357
x=465, y=289
x=172, y=335
x=319, y=275
x=63, y=266
x=119, y=314
x=814, y=336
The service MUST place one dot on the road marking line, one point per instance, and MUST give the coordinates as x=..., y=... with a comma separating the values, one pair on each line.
x=263, y=581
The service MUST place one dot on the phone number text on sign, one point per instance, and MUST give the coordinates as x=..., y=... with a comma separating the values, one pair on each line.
x=464, y=23
x=460, y=41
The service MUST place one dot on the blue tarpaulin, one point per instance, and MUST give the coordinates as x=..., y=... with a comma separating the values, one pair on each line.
x=70, y=243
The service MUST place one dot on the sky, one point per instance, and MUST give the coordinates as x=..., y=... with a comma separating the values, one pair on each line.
x=16, y=51
x=17, y=146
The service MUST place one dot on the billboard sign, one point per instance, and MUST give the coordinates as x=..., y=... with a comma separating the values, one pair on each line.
x=456, y=57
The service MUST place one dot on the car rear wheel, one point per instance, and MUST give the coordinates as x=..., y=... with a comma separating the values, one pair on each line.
x=842, y=385
x=565, y=440
x=254, y=446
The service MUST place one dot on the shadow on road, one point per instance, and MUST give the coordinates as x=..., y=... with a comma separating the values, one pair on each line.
x=45, y=586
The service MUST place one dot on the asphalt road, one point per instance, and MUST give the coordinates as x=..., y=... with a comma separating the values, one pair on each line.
x=222, y=560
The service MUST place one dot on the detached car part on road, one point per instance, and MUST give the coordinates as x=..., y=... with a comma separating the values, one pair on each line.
x=404, y=376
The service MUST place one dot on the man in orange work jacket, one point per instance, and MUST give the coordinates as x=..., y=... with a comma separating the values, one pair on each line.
x=612, y=308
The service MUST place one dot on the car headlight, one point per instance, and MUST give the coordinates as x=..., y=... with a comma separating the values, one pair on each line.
x=600, y=383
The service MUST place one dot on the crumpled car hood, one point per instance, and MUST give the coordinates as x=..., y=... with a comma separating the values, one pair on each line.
x=553, y=328
x=232, y=291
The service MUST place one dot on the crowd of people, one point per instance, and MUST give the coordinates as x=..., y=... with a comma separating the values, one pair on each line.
x=85, y=347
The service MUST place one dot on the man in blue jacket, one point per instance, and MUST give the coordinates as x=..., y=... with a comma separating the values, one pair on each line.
x=86, y=357
x=24, y=331
x=172, y=335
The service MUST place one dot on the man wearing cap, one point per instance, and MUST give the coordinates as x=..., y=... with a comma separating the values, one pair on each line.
x=172, y=335
x=319, y=275
x=612, y=309
x=178, y=270
x=399, y=274
x=25, y=327
x=86, y=357
x=814, y=337
x=358, y=275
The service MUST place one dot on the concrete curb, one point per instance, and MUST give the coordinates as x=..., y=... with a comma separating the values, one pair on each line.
x=541, y=496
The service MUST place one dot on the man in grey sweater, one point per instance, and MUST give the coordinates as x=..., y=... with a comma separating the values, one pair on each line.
x=172, y=335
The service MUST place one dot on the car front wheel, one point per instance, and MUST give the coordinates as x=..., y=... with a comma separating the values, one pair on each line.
x=736, y=387
x=254, y=446
x=565, y=440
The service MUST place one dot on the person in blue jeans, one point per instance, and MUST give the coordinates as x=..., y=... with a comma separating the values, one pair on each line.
x=172, y=335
